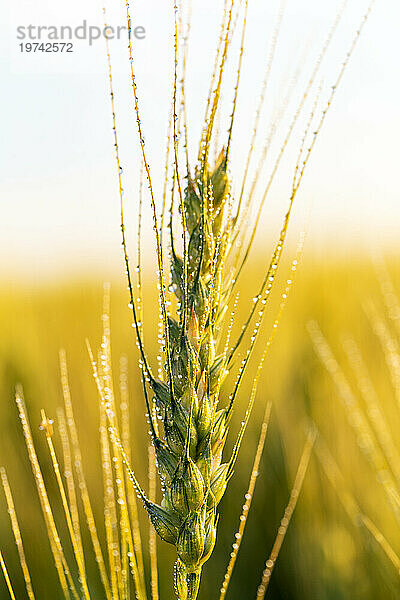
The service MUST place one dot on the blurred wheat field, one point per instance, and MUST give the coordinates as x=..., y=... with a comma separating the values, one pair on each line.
x=325, y=555
x=343, y=541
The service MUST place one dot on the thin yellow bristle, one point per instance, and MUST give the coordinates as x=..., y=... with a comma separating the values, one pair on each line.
x=248, y=500
x=69, y=478
x=6, y=577
x=152, y=532
x=63, y=570
x=17, y=533
x=78, y=464
x=47, y=427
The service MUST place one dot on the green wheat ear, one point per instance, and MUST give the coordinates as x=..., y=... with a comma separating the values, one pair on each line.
x=187, y=393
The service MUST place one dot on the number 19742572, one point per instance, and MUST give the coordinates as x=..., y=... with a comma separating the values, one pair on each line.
x=46, y=47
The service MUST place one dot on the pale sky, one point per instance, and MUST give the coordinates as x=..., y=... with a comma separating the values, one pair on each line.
x=58, y=187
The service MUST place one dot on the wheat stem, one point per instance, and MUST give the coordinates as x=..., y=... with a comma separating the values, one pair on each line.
x=294, y=496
